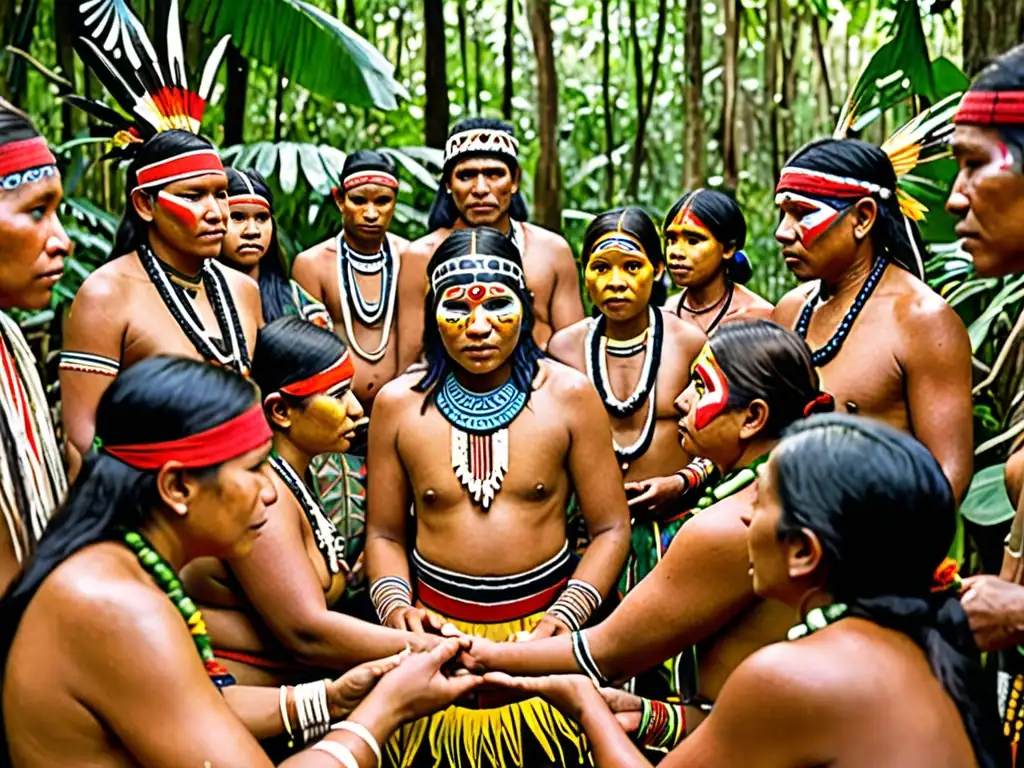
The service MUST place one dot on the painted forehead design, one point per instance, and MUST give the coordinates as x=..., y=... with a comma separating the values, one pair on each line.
x=618, y=242
x=479, y=269
x=477, y=292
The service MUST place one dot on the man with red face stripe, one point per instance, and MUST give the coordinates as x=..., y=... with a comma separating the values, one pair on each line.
x=163, y=291
x=884, y=343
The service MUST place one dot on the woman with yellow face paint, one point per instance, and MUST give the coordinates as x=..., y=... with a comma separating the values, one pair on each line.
x=638, y=358
x=269, y=614
x=704, y=232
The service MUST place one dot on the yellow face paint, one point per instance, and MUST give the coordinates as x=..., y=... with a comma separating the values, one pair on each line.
x=619, y=276
x=478, y=318
x=693, y=254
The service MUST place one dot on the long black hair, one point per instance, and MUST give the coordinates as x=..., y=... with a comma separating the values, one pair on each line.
x=1006, y=73
x=275, y=291
x=893, y=235
x=291, y=349
x=885, y=515
x=721, y=214
x=15, y=125
x=636, y=222
x=443, y=213
x=457, y=245
x=160, y=398
x=762, y=360
x=132, y=231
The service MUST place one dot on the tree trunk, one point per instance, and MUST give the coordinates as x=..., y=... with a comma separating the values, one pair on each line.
x=400, y=41
x=463, y=55
x=547, y=182
x=730, y=82
x=788, y=80
x=638, y=77
x=819, y=52
x=606, y=91
x=350, y=14
x=478, y=74
x=508, y=53
x=21, y=38
x=771, y=80
x=279, y=108
x=693, y=97
x=234, y=101
x=645, y=110
x=435, y=75
x=63, y=37
x=991, y=27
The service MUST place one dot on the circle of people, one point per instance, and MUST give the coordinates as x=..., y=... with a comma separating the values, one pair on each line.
x=407, y=505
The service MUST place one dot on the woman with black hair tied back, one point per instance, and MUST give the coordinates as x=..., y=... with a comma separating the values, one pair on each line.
x=106, y=659
x=705, y=232
x=881, y=668
x=885, y=344
x=269, y=613
x=163, y=290
x=252, y=246
x=697, y=609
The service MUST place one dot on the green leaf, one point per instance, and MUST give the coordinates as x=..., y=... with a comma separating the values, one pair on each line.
x=313, y=169
x=310, y=46
x=415, y=168
x=986, y=502
x=288, y=166
x=1012, y=292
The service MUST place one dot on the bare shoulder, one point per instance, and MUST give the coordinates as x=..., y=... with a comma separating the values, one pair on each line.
x=319, y=251
x=567, y=343
x=426, y=245
x=401, y=244
x=567, y=385
x=798, y=676
x=753, y=305
x=789, y=306
x=242, y=285
x=550, y=241
x=918, y=306
x=104, y=295
x=683, y=336
x=398, y=395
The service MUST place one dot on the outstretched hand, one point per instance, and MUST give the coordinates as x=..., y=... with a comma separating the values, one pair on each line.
x=568, y=693
x=345, y=693
x=423, y=684
x=993, y=609
x=626, y=707
x=647, y=497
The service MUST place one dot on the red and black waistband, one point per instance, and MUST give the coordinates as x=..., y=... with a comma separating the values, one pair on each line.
x=492, y=599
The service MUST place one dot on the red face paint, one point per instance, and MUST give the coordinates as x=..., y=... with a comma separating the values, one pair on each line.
x=1006, y=161
x=180, y=208
x=711, y=386
x=814, y=216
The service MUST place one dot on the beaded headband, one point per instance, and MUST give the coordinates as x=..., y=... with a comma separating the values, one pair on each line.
x=823, y=184
x=184, y=166
x=481, y=140
x=25, y=161
x=338, y=373
x=359, y=178
x=235, y=437
x=991, y=108
x=617, y=241
x=251, y=197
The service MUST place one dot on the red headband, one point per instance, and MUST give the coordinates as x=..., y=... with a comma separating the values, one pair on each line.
x=179, y=167
x=249, y=200
x=317, y=384
x=370, y=177
x=821, y=184
x=235, y=437
x=16, y=156
x=991, y=108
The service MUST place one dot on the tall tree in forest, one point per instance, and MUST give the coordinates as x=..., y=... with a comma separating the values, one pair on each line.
x=234, y=101
x=463, y=53
x=350, y=14
x=436, y=75
x=509, y=57
x=606, y=94
x=773, y=40
x=644, y=106
x=991, y=27
x=730, y=83
x=547, y=181
x=693, y=97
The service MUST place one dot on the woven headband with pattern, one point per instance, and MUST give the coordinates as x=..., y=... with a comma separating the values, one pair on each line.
x=487, y=140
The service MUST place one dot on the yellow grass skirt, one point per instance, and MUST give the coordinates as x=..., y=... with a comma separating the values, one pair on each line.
x=526, y=734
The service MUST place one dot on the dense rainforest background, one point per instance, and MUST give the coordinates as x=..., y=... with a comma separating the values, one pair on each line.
x=615, y=102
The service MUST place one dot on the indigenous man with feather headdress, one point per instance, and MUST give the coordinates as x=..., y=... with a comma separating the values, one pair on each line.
x=163, y=291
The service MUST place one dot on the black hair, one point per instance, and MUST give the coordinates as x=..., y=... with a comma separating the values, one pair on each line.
x=15, y=125
x=762, y=360
x=1006, y=73
x=290, y=349
x=365, y=160
x=526, y=355
x=721, y=214
x=894, y=236
x=132, y=231
x=885, y=515
x=275, y=290
x=158, y=399
x=443, y=213
x=632, y=221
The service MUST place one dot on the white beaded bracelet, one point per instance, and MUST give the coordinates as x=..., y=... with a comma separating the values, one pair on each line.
x=339, y=752
x=284, y=716
x=363, y=733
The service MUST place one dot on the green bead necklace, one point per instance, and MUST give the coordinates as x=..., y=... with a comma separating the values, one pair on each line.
x=817, y=619
x=165, y=578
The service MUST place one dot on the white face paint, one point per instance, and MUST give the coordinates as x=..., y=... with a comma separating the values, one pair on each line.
x=813, y=216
